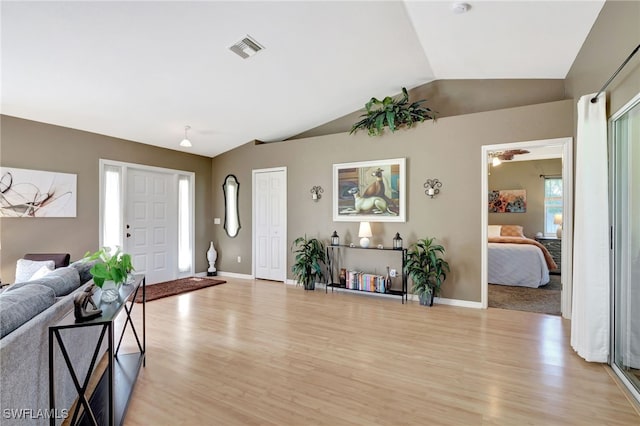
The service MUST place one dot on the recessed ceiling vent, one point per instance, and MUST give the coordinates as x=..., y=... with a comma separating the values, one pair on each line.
x=246, y=47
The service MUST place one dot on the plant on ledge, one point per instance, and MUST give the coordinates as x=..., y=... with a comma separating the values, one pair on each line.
x=427, y=269
x=392, y=113
x=307, y=267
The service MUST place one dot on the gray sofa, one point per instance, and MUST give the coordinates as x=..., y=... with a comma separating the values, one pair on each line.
x=26, y=312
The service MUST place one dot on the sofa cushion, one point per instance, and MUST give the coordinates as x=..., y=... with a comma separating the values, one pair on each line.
x=62, y=281
x=84, y=267
x=20, y=305
x=60, y=259
x=25, y=268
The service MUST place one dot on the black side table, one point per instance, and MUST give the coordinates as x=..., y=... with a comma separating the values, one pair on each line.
x=103, y=407
x=554, y=246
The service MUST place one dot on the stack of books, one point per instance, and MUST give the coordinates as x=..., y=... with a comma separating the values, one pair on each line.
x=366, y=282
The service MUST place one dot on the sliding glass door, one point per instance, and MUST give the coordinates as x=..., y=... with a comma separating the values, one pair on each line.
x=625, y=162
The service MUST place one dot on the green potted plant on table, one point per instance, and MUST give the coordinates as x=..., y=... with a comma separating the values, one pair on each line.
x=110, y=271
x=310, y=255
x=427, y=269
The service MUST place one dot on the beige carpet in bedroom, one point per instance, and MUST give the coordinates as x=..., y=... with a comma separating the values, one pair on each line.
x=545, y=300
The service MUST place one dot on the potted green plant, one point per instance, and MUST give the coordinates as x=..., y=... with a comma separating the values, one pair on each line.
x=392, y=113
x=427, y=269
x=310, y=255
x=110, y=271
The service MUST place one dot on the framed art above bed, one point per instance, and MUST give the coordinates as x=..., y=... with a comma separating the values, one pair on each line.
x=508, y=201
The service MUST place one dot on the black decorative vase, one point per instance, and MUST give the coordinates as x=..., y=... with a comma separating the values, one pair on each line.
x=387, y=282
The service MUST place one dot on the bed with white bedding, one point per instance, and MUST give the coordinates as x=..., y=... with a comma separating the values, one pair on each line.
x=516, y=260
x=517, y=265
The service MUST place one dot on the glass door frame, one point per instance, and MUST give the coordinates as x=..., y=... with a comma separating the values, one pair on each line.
x=613, y=203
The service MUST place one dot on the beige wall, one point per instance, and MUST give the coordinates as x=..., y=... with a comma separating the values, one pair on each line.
x=524, y=175
x=613, y=37
x=449, y=149
x=32, y=145
x=457, y=97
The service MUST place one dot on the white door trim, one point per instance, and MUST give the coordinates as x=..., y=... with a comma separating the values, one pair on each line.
x=253, y=218
x=567, y=214
x=124, y=167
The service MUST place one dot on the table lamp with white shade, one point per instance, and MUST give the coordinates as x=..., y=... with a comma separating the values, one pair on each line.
x=364, y=233
x=557, y=220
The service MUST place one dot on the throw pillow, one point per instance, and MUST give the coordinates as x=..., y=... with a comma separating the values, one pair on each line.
x=511, y=231
x=494, y=231
x=26, y=268
x=44, y=270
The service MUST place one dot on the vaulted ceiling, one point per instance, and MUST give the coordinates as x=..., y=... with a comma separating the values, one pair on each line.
x=143, y=70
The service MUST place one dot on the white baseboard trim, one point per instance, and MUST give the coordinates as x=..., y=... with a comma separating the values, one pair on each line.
x=235, y=275
x=450, y=302
x=412, y=297
x=457, y=302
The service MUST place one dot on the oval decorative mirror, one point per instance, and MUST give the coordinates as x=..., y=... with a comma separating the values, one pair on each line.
x=231, y=214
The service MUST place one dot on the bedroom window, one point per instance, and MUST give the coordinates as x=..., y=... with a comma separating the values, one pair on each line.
x=552, y=204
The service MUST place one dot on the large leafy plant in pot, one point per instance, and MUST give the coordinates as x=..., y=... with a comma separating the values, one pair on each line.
x=392, y=113
x=109, y=268
x=427, y=269
x=310, y=256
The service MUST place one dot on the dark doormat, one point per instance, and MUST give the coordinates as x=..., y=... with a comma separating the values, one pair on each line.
x=179, y=286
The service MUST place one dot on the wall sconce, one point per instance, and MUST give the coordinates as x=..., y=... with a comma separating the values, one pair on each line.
x=315, y=193
x=432, y=187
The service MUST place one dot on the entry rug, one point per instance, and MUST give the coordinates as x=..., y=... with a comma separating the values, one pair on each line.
x=179, y=286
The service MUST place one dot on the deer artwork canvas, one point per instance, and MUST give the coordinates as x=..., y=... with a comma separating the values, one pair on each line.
x=369, y=191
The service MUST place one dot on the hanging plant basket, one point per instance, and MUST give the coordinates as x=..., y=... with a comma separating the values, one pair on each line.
x=392, y=113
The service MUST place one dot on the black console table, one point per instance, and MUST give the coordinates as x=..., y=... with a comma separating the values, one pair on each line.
x=110, y=399
x=333, y=263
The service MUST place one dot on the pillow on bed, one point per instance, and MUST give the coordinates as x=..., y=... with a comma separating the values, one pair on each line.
x=494, y=231
x=511, y=231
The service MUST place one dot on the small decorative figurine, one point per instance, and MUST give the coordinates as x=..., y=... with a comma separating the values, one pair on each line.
x=81, y=302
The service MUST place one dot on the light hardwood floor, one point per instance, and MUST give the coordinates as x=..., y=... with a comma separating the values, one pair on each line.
x=263, y=353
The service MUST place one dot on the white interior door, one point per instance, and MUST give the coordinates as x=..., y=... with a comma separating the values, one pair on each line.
x=270, y=224
x=151, y=220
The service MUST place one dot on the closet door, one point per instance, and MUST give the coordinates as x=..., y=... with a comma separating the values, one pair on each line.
x=625, y=159
x=270, y=222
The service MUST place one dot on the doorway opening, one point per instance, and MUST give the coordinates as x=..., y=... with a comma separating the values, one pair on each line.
x=509, y=256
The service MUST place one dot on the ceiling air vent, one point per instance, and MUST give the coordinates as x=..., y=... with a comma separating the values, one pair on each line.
x=246, y=47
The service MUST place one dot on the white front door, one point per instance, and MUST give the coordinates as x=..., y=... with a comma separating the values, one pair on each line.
x=270, y=223
x=151, y=223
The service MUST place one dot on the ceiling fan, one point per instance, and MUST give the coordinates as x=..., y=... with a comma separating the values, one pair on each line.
x=508, y=154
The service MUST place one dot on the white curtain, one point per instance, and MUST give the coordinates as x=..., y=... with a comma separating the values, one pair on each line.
x=591, y=309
